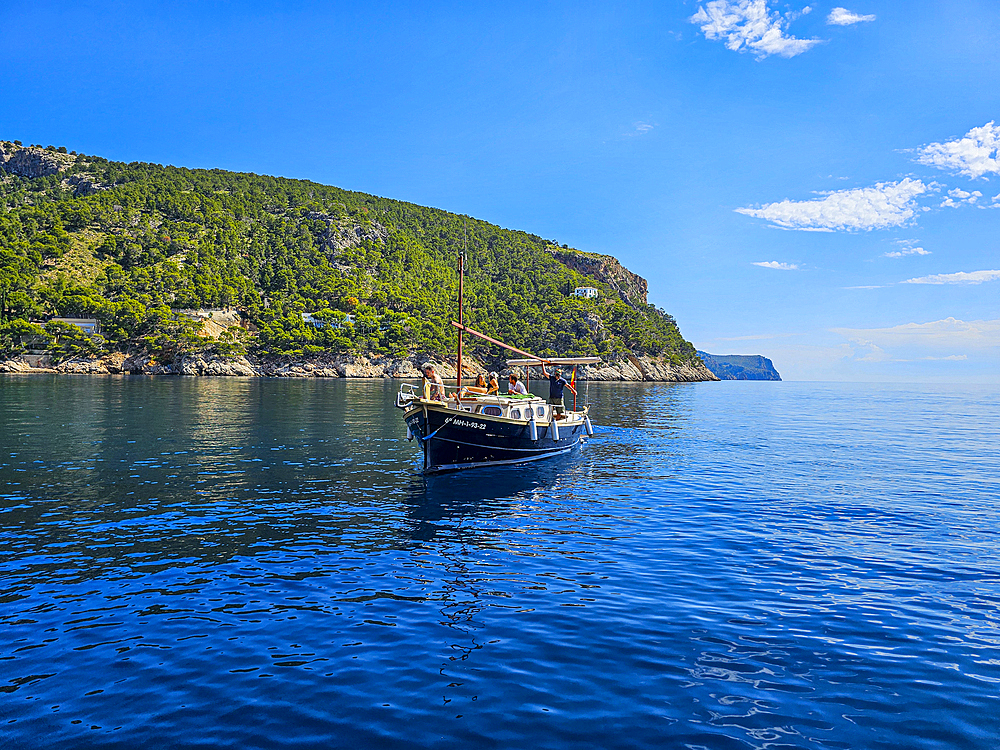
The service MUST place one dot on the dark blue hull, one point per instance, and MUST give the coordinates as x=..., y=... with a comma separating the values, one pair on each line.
x=454, y=440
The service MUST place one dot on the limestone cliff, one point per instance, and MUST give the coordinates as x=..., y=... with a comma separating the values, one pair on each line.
x=33, y=161
x=629, y=368
x=607, y=270
x=347, y=232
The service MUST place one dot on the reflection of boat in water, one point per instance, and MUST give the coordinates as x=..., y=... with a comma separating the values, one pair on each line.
x=466, y=429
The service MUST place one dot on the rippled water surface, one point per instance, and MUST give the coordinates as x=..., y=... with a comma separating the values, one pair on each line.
x=256, y=563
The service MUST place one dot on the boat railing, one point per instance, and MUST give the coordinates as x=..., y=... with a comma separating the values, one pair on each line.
x=511, y=407
x=408, y=393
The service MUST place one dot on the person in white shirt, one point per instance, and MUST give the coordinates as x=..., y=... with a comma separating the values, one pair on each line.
x=516, y=386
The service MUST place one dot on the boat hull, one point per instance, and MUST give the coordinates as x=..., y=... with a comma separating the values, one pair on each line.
x=453, y=440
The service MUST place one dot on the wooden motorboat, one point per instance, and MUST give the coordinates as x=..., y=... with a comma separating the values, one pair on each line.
x=491, y=430
x=466, y=429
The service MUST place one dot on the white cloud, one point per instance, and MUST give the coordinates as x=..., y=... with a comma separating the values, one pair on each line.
x=906, y=247
x=845, y=17
x=958, y=196
x=949, y=333
x=748, y=25
x=886, y=204
x=776, y=265
x=962, y=277
x=643, y=127
x=868, y=351
x=975, y=155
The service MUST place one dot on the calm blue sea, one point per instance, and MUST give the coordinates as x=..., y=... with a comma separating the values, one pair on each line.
x=206, y=563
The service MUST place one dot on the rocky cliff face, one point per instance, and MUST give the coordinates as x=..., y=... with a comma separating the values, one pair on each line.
x=345, y=232
x=651, y=369
x=634, y=369
x=32, y=162
x=606, y=269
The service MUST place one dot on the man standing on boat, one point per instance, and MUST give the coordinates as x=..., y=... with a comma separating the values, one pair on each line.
x=556, y=384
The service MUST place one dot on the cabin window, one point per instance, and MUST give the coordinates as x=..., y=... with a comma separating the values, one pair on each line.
x=541, y=411
x=515, y=413
x=493, y=411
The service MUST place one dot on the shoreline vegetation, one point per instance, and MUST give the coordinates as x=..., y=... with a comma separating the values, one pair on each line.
x=107, y=267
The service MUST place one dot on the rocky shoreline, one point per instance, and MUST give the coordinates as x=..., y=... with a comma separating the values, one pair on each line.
x=625, y=369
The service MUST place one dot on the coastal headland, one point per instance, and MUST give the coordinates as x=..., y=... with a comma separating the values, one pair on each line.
x=107, y=267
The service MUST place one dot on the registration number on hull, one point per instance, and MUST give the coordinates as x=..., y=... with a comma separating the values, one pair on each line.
x=467, y=423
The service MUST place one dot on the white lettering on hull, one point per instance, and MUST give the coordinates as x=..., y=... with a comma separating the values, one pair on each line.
x=471, y=425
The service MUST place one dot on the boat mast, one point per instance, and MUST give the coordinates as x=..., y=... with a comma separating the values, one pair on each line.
x=461, y=300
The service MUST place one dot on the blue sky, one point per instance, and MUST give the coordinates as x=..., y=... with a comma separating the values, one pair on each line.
x=819, y=186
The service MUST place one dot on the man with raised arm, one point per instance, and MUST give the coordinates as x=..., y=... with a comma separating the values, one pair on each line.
x=556, y=384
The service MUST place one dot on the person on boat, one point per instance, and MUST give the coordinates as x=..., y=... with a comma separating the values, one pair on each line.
x=516, y=387
x=479, y=387
x=494, y=387
x=433, y=385
x=556, y=385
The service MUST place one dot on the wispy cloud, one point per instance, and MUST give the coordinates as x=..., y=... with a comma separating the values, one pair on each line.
x=957, y=197
x=886, y=204
x=757, y=337
x=643, y=127
x=864, y=350
x=776, y=265
x=906, y=247
x=962, y=277
x=845, y=17
x=748, y=25
x=975, y=155
x=949, y=333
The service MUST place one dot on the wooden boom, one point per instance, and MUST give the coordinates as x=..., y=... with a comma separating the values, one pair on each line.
x=556, y=361
x=483, y=336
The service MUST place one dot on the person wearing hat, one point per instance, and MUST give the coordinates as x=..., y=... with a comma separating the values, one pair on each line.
x=556, y=384
x=433, y=385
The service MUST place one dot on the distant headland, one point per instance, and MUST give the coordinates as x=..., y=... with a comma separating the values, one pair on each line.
x=740, y=366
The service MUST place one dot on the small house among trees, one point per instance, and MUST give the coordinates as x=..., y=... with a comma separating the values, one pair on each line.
x=321, y=321
x=89, y=326
x=587, y=292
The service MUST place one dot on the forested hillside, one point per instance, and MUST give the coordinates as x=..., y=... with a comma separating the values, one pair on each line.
x=129, y=244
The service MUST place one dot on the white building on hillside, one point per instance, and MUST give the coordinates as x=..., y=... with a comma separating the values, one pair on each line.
x=586, y=291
